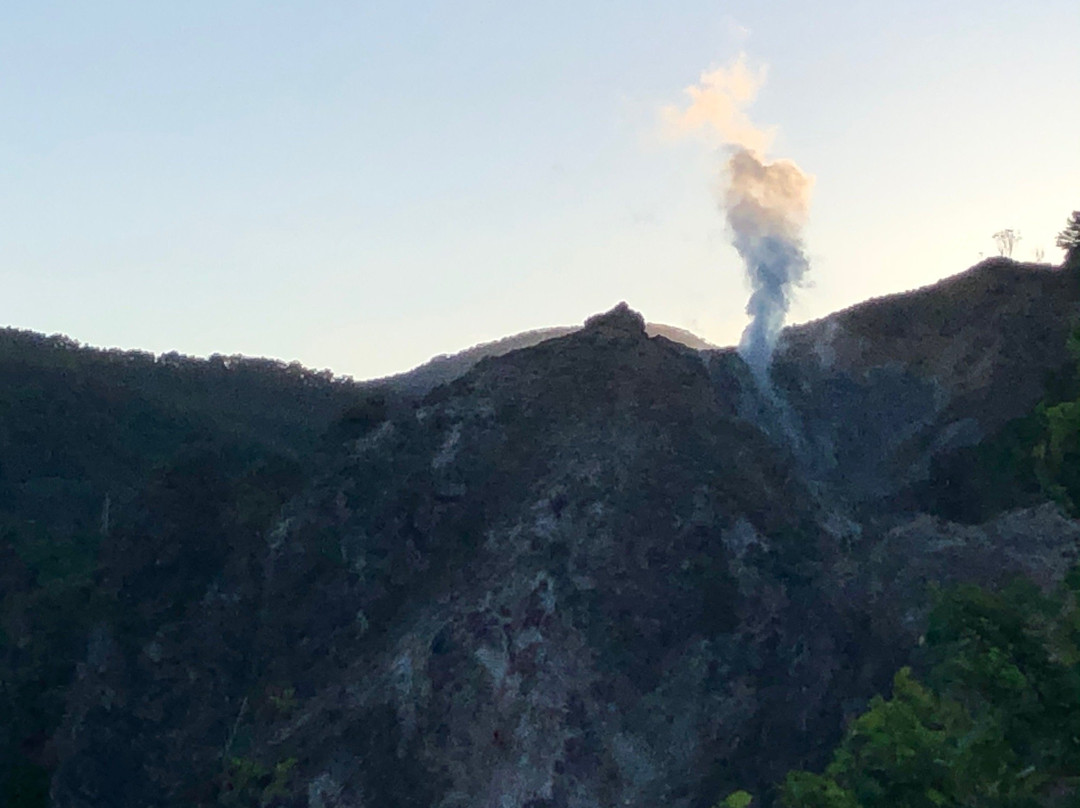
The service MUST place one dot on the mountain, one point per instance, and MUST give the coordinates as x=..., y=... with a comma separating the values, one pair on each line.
x=447, y=367
x=605, y=568
x=83, y=434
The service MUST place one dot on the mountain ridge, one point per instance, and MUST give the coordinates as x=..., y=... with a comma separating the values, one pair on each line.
x=605, y=568
x=447, y=367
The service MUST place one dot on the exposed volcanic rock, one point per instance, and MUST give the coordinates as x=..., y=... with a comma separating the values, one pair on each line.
x=882, y=388
x=603, y=570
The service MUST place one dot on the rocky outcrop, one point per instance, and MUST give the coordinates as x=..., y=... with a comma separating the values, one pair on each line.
x=445, y=368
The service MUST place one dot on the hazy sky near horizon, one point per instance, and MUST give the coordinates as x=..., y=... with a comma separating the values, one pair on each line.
x=363, y=185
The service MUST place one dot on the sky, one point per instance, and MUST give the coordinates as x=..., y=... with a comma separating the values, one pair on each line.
x=362, y=185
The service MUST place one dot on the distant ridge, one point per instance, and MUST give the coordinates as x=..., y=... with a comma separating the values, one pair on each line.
x=447, y=367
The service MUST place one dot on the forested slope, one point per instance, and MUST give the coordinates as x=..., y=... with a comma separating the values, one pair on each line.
x=92, y=441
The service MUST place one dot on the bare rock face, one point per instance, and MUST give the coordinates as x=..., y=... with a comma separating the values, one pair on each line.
x=620, y=322
x=881, y=389
x=578, y=635
x=603, y=570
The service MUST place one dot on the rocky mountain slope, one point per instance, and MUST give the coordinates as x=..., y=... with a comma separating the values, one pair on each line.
x=608, y=569
x=883, y=388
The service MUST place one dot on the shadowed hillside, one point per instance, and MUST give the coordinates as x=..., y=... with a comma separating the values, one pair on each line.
x=606, y=568
x=85, y=435
x=446, y=368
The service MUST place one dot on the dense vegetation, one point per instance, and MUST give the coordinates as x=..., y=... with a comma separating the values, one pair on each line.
x=90, y=443
x=995, y=720
x=1069, y=240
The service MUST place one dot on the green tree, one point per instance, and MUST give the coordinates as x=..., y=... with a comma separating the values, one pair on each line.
x=736, y=799
x=1069, y=238
x=997, y=724
x=901, y=753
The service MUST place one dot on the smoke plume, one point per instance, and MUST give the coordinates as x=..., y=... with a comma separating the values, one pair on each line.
x=766, y=202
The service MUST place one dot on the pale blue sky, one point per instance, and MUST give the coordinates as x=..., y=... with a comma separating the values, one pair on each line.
x=362, y=185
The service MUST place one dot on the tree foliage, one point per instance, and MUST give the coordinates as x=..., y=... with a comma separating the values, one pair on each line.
x=994, y=723
x=1069, y=238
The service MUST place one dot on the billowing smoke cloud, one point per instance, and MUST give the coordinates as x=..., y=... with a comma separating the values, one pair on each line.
x=766, y=202
x=766, y=206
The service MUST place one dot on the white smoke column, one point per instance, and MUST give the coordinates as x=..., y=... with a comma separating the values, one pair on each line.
x=766, y=202
x=766, y=205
